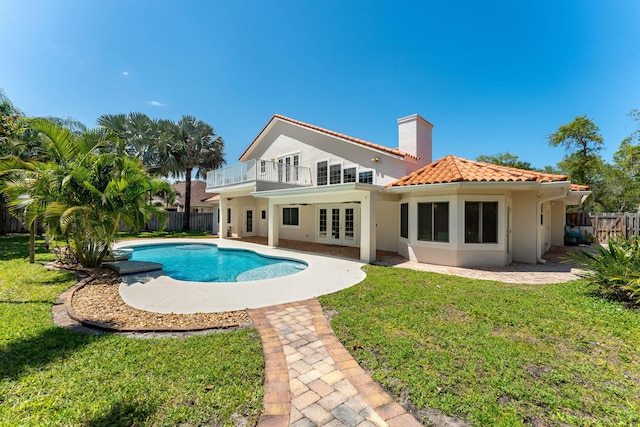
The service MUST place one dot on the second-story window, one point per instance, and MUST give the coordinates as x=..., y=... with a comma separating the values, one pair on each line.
x=349, y=175
x=334, y=174
x=366, y=177
x=263, y=167
x=322, y=173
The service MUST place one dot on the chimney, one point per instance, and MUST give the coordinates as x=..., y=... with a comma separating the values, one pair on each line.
x=414, y=137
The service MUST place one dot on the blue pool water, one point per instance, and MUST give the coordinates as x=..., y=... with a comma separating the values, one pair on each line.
x=208, y=263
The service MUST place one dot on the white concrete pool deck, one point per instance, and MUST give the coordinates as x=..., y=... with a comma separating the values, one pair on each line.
x=159, y=293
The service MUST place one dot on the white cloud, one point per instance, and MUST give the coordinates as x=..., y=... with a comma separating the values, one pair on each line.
x=125, y=73
x=157, y=104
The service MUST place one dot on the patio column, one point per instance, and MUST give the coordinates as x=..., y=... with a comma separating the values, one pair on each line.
x=222, y=220
x=368, y=228
x=274, y=224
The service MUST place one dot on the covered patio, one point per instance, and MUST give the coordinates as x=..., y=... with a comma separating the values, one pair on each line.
x=556, y=268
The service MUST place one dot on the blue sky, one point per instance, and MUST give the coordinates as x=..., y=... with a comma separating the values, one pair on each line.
x=491, y=76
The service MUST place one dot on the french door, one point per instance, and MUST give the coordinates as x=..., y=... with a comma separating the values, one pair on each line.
x=339, y=225
x=249, y=222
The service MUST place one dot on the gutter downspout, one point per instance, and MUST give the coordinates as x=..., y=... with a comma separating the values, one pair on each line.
x=538, y=237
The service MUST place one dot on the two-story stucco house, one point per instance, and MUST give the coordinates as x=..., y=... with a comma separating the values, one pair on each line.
x=302, y=182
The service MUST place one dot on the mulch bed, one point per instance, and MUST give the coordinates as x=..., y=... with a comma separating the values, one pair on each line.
x=99, y=301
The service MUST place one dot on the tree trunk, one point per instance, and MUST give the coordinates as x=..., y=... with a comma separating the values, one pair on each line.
x=186, y=219
x=32, y=243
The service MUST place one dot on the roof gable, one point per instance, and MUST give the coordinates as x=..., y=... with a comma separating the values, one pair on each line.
x=198, y=192
x=278, y=117
x=457, y=169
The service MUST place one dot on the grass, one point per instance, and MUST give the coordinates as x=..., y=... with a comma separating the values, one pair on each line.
x=52, y=376
x=494, y=353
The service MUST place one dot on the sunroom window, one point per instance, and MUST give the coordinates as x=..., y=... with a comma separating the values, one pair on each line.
x=433, y=222
x=481, y=222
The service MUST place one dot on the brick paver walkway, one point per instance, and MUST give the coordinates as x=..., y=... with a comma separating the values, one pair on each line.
x=311, y=379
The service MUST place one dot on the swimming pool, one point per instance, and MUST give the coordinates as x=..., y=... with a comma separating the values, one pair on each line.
x=204, y=262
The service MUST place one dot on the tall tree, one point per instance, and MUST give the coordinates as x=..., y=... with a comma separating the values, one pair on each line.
x=505, y=159
x=582, y=140
x=139, y=136
x=189, y=144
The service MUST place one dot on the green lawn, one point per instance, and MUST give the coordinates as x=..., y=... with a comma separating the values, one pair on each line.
x=494, y=353
x=51, y=376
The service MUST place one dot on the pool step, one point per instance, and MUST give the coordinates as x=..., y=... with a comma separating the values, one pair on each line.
x=130, y=267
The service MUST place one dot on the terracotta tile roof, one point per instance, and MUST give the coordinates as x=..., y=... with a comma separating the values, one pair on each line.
x=578, y=187
x=394, y=151
x=456, y=169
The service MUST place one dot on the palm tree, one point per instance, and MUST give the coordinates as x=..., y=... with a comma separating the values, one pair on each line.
x=189, y=144
x=83, y=193
x=138, y=135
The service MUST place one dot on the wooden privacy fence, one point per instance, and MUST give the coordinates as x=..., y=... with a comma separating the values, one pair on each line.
x=199, y=222
x=575, y=219
x=611, y=225
x=9, y=224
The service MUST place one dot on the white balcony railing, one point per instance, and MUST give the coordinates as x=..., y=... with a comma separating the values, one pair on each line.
x=259, y=170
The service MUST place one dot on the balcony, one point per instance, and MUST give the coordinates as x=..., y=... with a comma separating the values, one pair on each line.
x=259, y=171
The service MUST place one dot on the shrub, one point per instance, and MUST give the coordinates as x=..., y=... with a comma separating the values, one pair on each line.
x=614, y=270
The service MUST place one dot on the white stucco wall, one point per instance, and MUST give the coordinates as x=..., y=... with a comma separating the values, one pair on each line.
x=455, y=252
x=558, y=219
x=313, y=147
x=526, y=226
x=306, y=231
x=387, y=225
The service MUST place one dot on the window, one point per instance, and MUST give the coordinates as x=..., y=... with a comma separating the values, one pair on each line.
x=349, y=175
x=322, y=173
x=481, y=222
x=263, y=214
x=334, y=174
x=290, y=216
x=249, y=221
x=404, y=220
x=366, y=177
x=263, y=167
x=228, y=215
x=433, y=222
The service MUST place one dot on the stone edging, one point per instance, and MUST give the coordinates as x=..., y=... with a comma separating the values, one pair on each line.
x=64, y=303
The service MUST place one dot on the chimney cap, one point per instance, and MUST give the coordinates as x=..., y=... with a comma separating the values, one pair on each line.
x=414, y=117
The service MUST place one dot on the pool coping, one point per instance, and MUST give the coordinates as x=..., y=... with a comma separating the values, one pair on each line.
x=159, y=293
